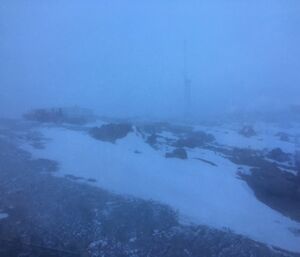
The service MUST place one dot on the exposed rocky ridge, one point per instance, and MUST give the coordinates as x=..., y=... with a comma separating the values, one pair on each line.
x=52, y=216
x=111, y=132
x=247, y=131
x=179, y=153
x=269, y=179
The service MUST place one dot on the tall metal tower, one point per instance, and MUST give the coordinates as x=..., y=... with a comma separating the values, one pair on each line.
x=187, y=86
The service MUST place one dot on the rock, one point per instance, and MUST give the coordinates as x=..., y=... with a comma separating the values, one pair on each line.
x=179, y=153
x=73, y=177
x=247, y=131
x=206, y=161
x=278, y=189
x=297, y=161
x=152, y=140
x=111, y=132
x=283, y=136
x=273, y=182
x=278, y=155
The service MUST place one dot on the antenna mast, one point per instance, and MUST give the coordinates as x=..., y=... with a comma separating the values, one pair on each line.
x=187, y=85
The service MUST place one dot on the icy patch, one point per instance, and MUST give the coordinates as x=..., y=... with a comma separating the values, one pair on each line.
x=203, y=194
x=3, y=215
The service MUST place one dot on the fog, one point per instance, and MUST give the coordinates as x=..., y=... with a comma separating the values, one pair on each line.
x=125, y=58
x=152, y=128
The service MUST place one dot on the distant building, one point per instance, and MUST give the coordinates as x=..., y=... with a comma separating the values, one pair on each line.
x=71, y=115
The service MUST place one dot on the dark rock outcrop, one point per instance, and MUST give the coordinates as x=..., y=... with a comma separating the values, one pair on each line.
x=272, y=185
x=111, y=132
x=297, y=163
x=278, y=155
x=206, y=161
x=278, y=189
x=179, y=153
x=152, y=140
x=247, y=131
x=283, y=136
x=46, y=210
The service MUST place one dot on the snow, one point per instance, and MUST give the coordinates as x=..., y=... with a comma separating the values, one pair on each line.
x=3, y=215
x=266, y=138
x=202, y=193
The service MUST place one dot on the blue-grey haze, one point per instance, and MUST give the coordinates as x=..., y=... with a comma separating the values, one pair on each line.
x=125, y=57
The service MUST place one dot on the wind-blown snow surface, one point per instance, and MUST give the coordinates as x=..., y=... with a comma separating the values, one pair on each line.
x=3, y=215
x=202, y=193
x=265, y=138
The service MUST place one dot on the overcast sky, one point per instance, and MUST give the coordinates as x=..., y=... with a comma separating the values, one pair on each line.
x=125, y=57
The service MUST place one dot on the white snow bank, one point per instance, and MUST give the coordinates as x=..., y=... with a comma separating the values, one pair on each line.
x=265, y=139
x=3, y=215
x=202, y=193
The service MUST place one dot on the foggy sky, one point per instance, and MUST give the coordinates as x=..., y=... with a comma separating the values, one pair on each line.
x=125, y=57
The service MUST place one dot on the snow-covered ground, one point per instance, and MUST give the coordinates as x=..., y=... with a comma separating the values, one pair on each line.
x=3, y=215
x=202, y=193
x=265, y=139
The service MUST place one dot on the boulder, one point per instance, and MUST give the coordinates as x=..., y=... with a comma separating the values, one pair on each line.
x=152, y=140
x=247, y=131
x=283, y=136
x=278, y=155
x=111, y=132
x=179, y=153
x=273, y=183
